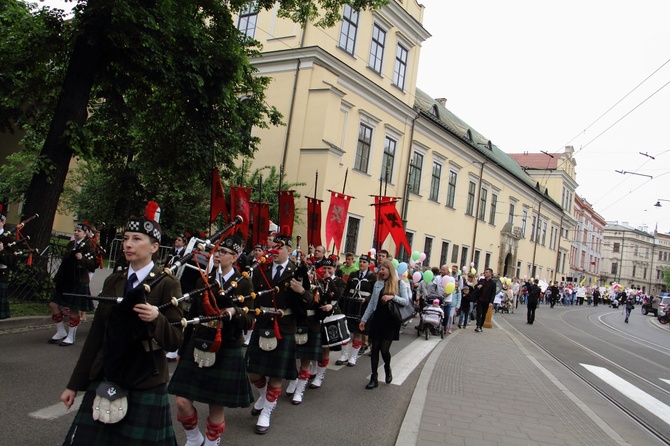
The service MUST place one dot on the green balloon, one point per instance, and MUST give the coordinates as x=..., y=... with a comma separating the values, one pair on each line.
x=428, y=276
x=416, y=255
x=395, y=263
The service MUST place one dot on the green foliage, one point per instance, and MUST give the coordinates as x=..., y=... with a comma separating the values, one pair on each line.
x=666, y=277
x=30, y=283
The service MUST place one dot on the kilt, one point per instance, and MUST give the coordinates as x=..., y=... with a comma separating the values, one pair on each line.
x=311, y=349
x=223, y=384
x=4, y=300
x=148, y=421
x=278, y=363
x=75, y=303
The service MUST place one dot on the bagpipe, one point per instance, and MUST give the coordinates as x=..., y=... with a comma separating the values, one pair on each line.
x=13, y=239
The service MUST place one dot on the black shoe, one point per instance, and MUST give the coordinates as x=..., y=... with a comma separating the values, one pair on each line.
x=362, y=350
x=389, y=375
x=260, y=430
x=255, y=412
x=373, y=383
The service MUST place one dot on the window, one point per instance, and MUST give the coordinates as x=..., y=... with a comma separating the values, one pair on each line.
x=464, y=256
x=544, y=233
x=487, y=262
x=415, y=173
x=615, y=267
x=616, y=247
x=363, y=148
x=469, y=210
x=524, y=218
x=427, y=249
x=388, y=159
x=518, y=269
x=403, y=256
x=451, y=190
x=644, y=276
x=351, y=237
x=247, y=19
x=510, y=218
x=400, y=68
x=444, y=252
x=349, y=29
x=454, y=254
x=435, y=182
x=494, y=205
x=532, y=228
x=636, y=251
x=634, y=270
x=483, y=196
x=476, y=260
x=377, y=49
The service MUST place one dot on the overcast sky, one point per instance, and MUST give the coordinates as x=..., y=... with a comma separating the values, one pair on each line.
x=533, y=75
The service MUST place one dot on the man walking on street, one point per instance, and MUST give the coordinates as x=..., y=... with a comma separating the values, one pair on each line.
x=533, y=298
x=485, y=292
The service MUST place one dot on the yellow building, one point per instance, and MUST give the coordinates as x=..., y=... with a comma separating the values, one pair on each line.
x=350, y=103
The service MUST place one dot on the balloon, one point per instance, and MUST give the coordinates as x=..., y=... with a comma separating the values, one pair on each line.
x=395, y=263
x=509, y=281
x=372, y=252
x=445, y=280
x=416, y=255
x=473, y=271
x=502, y=280
x=472, y=264
x=465, y=270
x=422, y=256
x=412, y=263
x=428, y=276
x=417, y=276
x=450, y=287
x=401, y=268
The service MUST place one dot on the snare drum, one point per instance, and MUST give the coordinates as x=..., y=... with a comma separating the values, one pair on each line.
x=334, y=331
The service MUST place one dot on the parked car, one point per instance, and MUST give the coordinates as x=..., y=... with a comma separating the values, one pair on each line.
x=648, y=306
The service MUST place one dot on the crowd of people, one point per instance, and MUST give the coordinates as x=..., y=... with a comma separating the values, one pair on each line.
x=240, y=322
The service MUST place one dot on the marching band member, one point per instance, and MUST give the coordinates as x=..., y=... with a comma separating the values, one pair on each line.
x=178, y=251
x=7, y=261
x=353, y=303
x=224, y=382
x=72, y=277
x=332, y=287
x=271, y=351
x=122, y=366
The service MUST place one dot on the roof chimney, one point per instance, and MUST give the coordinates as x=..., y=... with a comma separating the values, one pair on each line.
x=442, y=101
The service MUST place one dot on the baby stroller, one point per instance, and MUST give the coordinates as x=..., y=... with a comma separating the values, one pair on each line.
x=505, y=305
x=430, y=322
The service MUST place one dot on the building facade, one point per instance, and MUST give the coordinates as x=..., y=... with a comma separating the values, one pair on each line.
x=352, y=109
x=587, y=244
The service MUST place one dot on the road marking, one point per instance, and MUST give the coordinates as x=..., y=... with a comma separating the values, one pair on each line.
x=404, y=362
x=645, y=400
x=665, y=380
x=56, y=410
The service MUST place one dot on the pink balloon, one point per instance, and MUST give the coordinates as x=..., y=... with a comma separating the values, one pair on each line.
x=422, y=256
x=417, y=276
x=445, y=280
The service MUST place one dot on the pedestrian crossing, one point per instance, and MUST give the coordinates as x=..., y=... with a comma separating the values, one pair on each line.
x=653, y=405
x=56, y=410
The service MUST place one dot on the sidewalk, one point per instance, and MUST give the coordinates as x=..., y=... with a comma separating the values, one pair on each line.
x=487, y=389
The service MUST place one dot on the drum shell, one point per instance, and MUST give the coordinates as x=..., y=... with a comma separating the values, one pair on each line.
x=334, y=331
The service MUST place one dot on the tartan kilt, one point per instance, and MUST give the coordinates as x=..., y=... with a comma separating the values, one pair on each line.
x=311, y=349
x=72, y=302
x=223, y=384
x=148, y=421
x=278, y=363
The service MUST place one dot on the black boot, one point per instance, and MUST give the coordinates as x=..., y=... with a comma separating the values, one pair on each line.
x=389, y=376
x=373, y=382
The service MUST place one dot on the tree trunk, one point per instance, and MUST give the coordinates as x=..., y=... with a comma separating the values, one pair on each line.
x=85, y=63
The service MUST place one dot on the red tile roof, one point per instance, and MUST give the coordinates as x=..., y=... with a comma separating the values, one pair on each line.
x=536, y=160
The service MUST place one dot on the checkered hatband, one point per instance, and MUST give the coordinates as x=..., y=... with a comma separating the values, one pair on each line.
x=148, y=227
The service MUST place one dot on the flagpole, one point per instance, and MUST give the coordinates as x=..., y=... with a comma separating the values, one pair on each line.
x=311, y=227
x=378, y=244
x=281, y=174
x=346, y=173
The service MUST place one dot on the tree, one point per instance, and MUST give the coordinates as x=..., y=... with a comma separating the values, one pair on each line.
x=161, y=82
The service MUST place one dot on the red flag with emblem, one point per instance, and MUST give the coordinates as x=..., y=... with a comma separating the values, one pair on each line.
x=383, y=231
x=389, y=218
x=314, y=221
x=261, y=213
x=336, y=218
x=218, y=202
x=286, y=212
x=239, y=205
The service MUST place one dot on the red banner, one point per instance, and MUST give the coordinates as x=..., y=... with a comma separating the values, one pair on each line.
x=382, y=230
x=218, y=203
x=239, y=205
x=314, y=221
x=261, y=214
x=389, y=217
x=336, y=219
x=286, y=212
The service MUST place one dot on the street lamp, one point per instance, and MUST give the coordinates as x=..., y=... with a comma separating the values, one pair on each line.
x=658, y=202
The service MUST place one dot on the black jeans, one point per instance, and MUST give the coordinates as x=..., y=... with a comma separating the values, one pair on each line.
x=531, y=313
x=383, y=346
x=482, y=308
